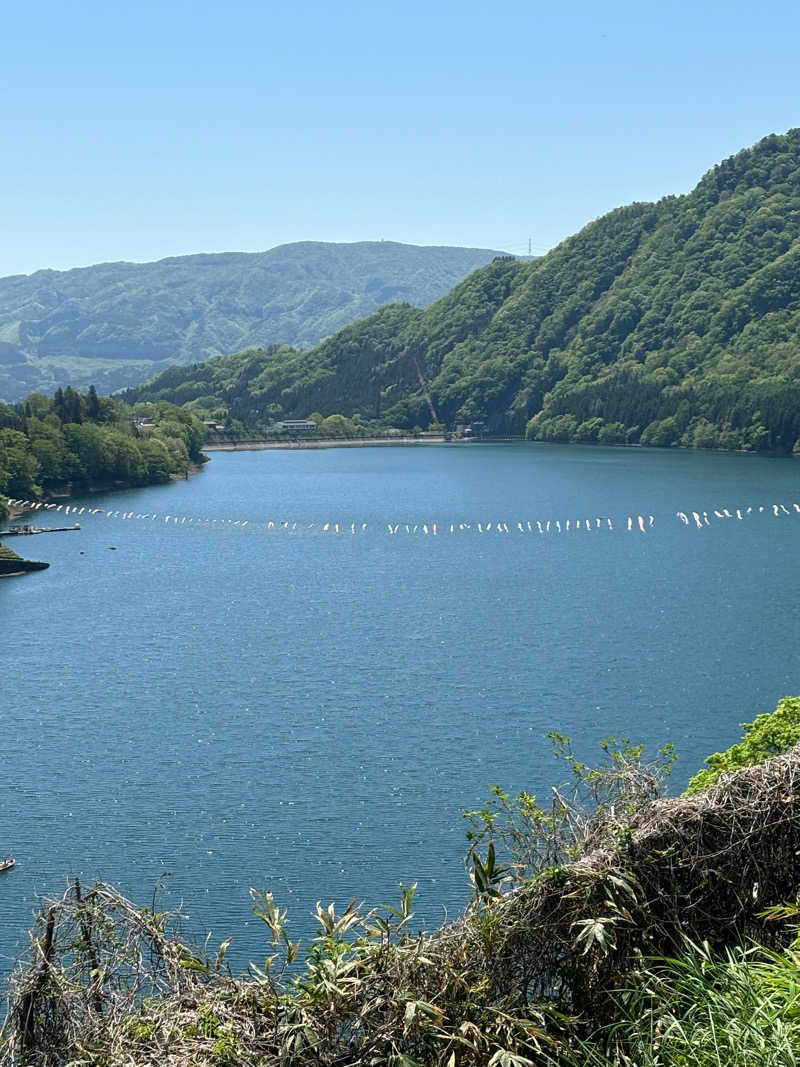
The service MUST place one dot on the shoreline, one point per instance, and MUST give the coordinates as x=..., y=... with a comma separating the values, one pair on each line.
x=365, y=442
x=16, y=512
x=377, y=442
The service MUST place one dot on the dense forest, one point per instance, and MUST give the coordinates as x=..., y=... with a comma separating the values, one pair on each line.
x=674, y=323
x=116, y=324
x=75, y=442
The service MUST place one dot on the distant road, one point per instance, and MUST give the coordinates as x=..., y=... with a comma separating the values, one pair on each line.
x=362, y=442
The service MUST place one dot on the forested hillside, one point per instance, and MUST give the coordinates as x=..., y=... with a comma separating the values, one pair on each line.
x=669, y=323
x=116, y=324
x=73, y=443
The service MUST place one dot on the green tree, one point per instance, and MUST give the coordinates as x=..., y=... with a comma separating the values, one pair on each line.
x=767, y=735
x=337, y=426
x=157, y=459
x=21, y=466
x=92, y=405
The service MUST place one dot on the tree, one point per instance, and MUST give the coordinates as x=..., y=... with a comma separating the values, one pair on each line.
x=92, y=405
x=21, y=466
x=767, y=735
x=157, y=459
x=337, y=426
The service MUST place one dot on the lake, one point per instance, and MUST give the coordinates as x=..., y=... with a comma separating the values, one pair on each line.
x=219, y=706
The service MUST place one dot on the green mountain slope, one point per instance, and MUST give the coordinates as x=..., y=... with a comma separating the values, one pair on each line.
x=115, y=324
x=666, y=323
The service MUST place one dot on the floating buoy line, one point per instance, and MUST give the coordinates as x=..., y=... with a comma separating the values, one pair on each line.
x=541, y=527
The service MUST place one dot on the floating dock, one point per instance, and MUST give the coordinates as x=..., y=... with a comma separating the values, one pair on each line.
x=19, y=531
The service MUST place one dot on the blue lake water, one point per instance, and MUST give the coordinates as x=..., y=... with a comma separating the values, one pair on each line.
x=224, y=707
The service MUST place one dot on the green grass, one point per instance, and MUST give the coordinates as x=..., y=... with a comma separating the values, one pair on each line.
x=698, y=1010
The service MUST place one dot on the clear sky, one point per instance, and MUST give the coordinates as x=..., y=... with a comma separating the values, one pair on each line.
x=161, y=127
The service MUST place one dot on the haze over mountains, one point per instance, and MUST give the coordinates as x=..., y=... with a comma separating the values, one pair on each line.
x=675, y=322
x=116, y=324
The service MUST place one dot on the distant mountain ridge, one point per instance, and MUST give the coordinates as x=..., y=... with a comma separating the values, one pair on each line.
x=669, y=323
x=115, y=324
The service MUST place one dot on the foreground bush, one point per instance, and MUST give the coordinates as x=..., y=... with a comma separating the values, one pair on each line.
x=765, y=736
x=569, y=904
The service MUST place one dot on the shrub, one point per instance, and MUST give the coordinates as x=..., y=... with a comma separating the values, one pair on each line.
x=767, y=735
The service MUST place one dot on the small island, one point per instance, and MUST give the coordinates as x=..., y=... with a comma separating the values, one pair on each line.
x=12, y=564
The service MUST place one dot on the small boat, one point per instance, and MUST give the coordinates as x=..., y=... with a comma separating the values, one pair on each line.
x=6, y=865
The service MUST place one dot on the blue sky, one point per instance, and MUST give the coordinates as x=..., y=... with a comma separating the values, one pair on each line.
x=159, y=129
